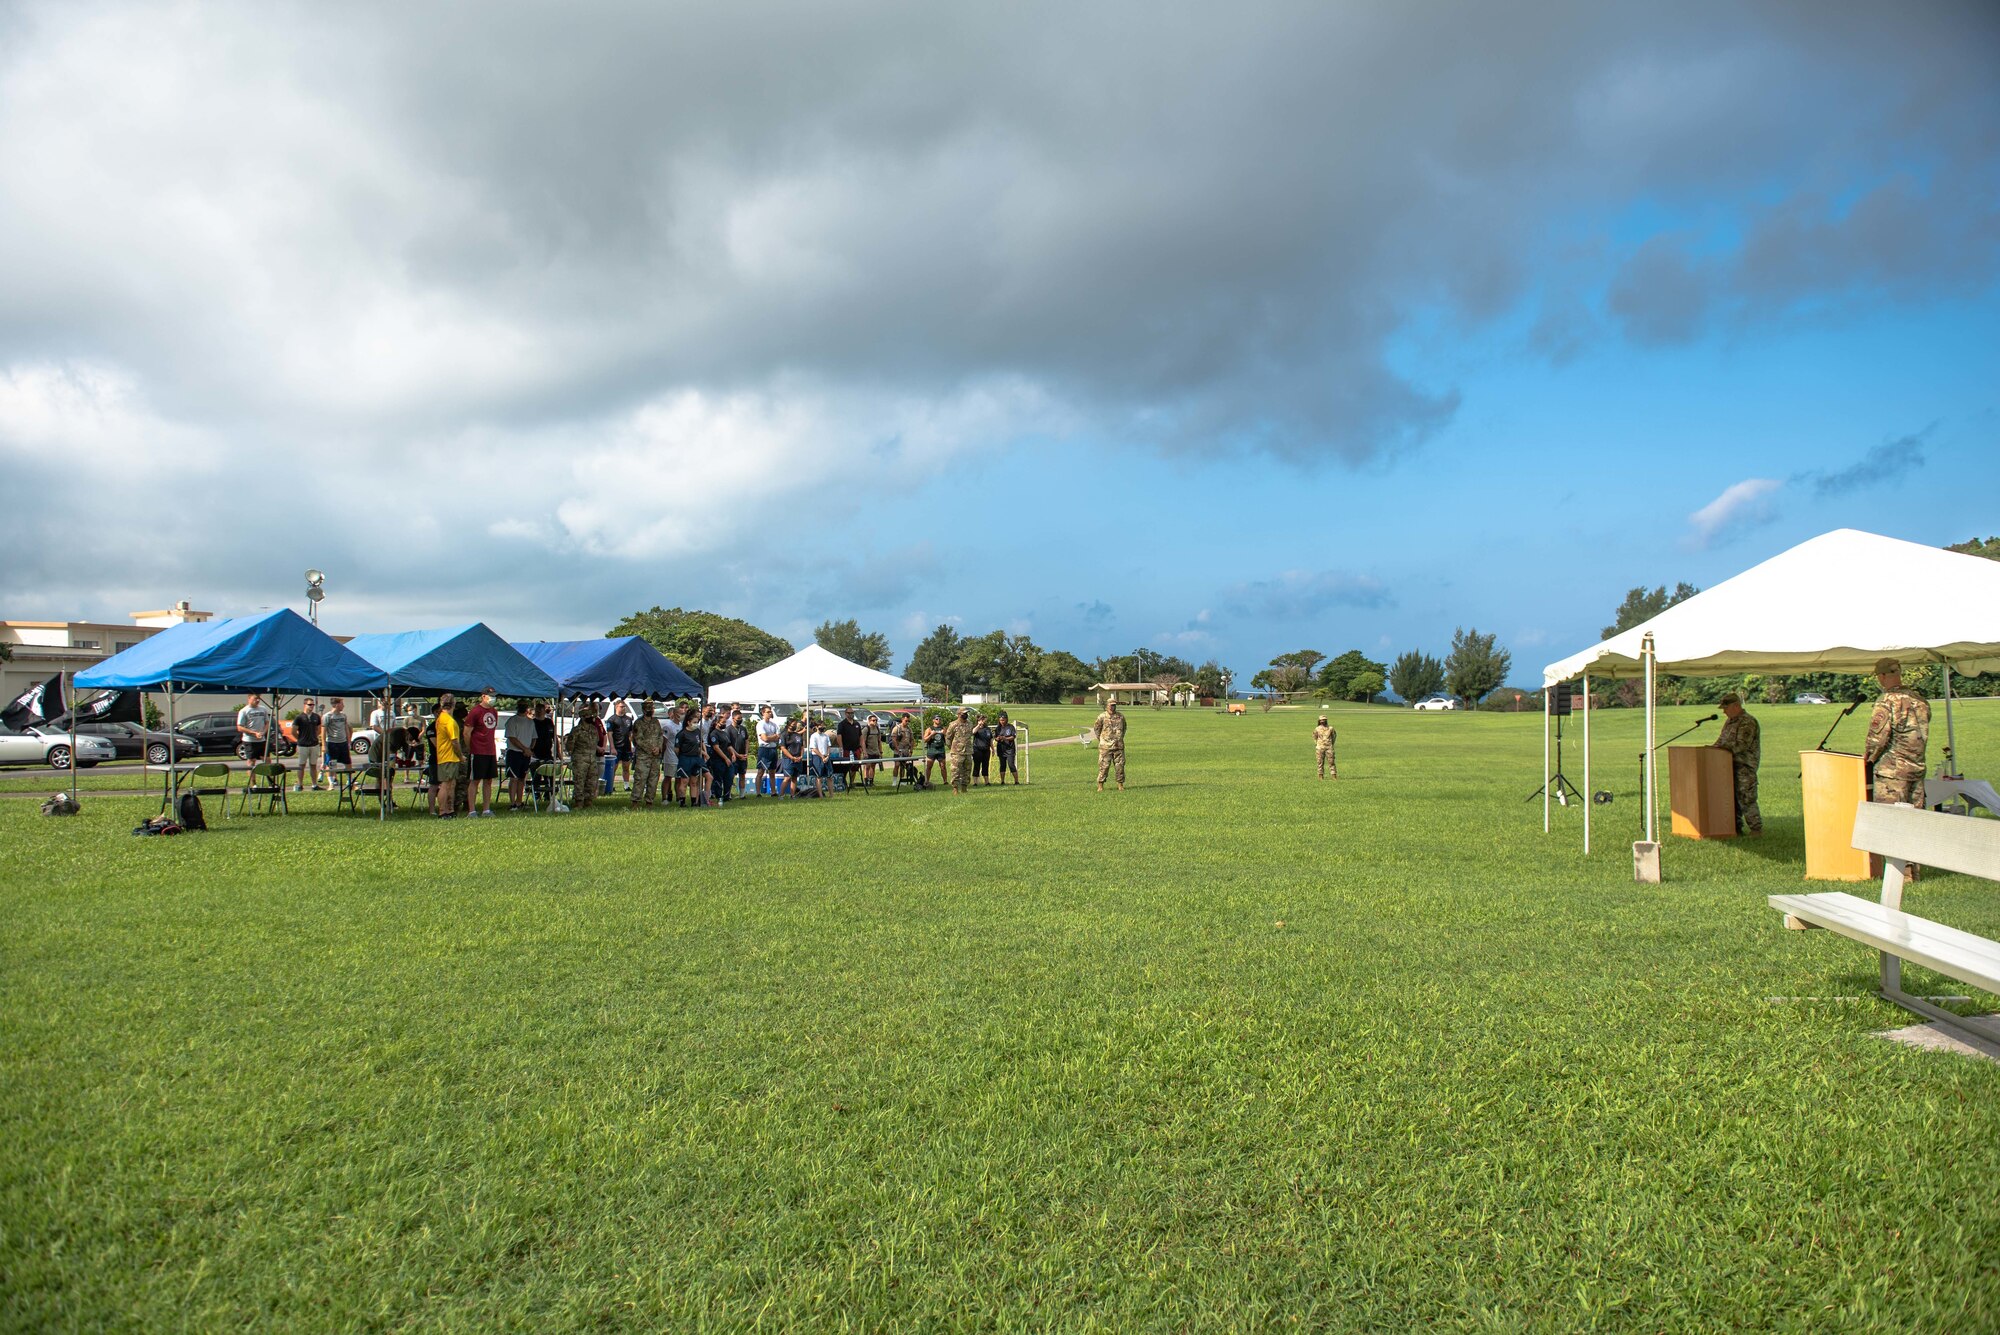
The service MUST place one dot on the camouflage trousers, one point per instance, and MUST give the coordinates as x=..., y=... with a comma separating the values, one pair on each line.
x=1326, y=761
x=1749, y=820
x=645, y=779
x=959, y=763
x=589, y=772
x=1899, y=788
x=1110, y=758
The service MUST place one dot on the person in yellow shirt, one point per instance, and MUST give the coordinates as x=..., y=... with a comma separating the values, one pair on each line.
x=451, y=758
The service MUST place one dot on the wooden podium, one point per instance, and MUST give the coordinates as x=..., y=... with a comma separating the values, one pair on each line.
x=1701, y=792
x=1832, y=784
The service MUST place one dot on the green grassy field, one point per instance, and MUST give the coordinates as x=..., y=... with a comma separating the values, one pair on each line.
x=1234, y=1049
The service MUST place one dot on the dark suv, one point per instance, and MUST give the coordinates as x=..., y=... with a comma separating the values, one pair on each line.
x=134, y=741
x=216, y=734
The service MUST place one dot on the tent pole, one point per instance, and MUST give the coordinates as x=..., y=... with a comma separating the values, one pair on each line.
x=173, y=755
x=1586, y=763
x=69, y=702
x=1950, y=732
x=385, y=756
x=1545, y=759
x=1648, y=653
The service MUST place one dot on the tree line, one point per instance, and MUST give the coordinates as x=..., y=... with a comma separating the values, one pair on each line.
x=710, y=648
x=1475, y=667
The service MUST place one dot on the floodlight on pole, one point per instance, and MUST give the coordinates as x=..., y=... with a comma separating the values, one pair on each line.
x=315, y=590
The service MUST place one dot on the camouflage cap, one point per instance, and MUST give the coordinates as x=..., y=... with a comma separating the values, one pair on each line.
x=1884, y=666
x=1730, y=698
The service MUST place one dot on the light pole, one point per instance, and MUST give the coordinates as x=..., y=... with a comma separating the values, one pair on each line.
x=315, y=590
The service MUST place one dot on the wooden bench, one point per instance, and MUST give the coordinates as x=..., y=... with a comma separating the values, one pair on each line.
x=1903, y=835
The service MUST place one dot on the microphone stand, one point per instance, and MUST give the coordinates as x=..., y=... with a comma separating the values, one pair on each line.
x=1643, y=753
x=1852, y=706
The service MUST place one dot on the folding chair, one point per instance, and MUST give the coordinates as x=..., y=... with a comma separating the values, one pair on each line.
x=209, y=773
x=267, y=783
x=555, y=776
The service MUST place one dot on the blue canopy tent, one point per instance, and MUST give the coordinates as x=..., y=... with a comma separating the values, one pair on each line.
x=467, y=659
x=612, y=669
x=278, y=651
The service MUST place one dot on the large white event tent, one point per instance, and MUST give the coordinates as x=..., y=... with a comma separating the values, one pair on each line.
x=1835, y=603
x=817, y=676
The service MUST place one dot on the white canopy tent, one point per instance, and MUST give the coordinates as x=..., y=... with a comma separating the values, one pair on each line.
x=1835, y=603
x=816, y=676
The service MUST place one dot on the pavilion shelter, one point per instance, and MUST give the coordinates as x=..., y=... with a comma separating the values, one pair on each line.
x=817, y=676
x=1132, y=693
x=1834, y=603
x=278, y=652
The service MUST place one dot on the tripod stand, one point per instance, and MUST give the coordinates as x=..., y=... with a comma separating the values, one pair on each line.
x=1675, y=738
x=1558, y=786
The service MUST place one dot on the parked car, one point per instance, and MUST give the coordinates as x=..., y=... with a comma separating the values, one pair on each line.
x=215, y=734
x=1810, y=698
x=1439, y=700
x=38, y=746
x=131, y=741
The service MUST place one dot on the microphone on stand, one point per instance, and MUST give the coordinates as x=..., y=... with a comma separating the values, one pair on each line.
x=1852, y=705
x=1644, y=752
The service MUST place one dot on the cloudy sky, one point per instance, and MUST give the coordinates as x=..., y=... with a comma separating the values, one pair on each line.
x=1226, y=332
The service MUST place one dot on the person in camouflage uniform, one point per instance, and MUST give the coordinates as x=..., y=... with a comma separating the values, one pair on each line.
x=958, y=750
x=1740, y=738
x=1110, y=730
x=585, y=746
x=1898, y=733
x=648, y=742
x=1323, y=737
x=899, y=745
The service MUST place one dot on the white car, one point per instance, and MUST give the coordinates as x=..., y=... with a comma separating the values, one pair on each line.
x=1439, y=700
x=39, y=747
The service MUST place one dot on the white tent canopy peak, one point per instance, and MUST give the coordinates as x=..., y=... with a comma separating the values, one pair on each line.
x=1834, y=603
x=820, y=676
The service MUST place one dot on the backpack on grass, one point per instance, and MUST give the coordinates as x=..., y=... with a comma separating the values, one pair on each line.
x=191, y=817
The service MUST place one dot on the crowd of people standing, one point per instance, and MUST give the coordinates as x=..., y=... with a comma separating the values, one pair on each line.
x=687, y=755
x=701, y=755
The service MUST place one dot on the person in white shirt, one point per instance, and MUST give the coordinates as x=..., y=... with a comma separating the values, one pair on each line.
x=820, y=746
x=253, y=729
x=768, y=731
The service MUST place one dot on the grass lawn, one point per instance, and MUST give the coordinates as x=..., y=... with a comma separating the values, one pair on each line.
x=1233, y=1049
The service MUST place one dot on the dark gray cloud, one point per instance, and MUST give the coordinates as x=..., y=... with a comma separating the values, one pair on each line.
x=619, y=248
x=1888, y=462
x=1096, y=615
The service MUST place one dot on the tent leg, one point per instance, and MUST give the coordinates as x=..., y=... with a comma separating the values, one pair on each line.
x=173, y=754
x=385, y=756
x=1545, y=760
x=1950, y=731
x=1649, y=654
x=69, y=703
x=1587, y=796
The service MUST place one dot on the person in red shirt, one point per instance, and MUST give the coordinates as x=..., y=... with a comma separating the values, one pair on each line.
x=482, y=727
